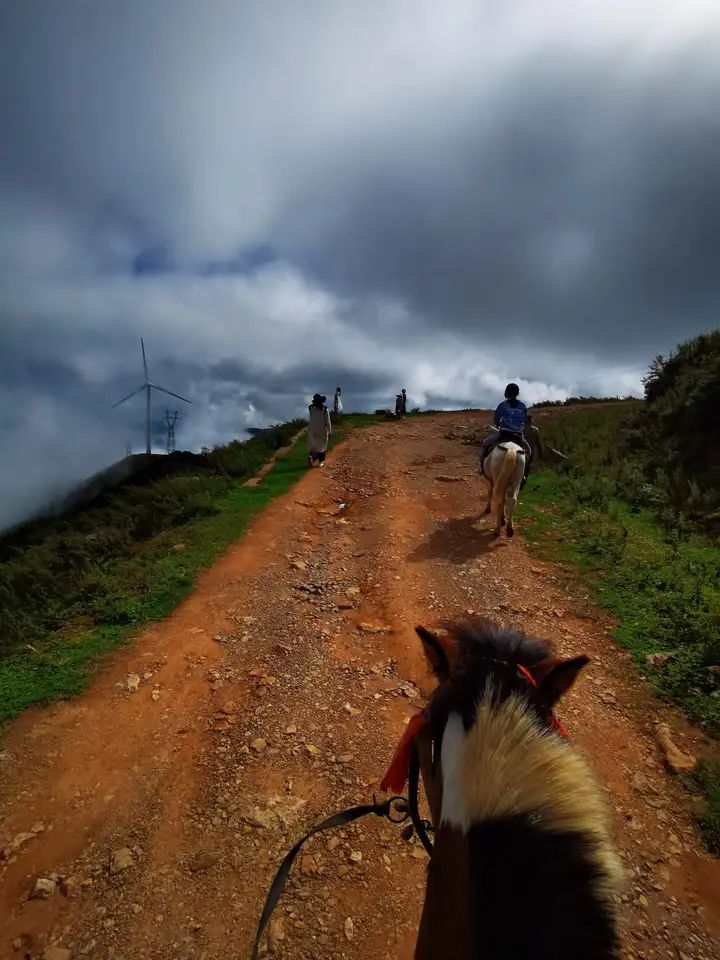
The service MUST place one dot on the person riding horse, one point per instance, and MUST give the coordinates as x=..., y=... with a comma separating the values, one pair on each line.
x=510, y=419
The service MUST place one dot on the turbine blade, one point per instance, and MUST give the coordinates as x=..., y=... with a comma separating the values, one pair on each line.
x=142, y=344
x=169, y=392
x=139, y=390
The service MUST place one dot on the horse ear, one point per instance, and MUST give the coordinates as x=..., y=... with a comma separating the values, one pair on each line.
x=436, y=652
x=558, y=679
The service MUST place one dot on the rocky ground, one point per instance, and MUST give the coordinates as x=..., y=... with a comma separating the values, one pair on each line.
x=145, y=819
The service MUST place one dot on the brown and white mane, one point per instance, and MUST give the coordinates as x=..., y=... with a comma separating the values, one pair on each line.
x=523, y=866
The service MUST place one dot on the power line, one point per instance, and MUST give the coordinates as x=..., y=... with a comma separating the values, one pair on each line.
x=170, y=422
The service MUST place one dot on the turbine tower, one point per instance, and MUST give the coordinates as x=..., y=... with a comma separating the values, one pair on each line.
x=148, y=387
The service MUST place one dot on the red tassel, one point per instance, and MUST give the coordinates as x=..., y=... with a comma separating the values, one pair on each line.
x=555, y=724
x=397, y=773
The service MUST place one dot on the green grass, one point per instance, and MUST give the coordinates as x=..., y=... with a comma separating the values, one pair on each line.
x=706, y=778
x=114, y=583
x=661, y=580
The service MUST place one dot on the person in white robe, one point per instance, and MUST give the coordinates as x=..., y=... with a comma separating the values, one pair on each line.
x=319, y=430
x=337, y=402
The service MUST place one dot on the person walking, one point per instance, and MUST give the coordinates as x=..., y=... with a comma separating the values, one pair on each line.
x=337, y=402
x=319, y=430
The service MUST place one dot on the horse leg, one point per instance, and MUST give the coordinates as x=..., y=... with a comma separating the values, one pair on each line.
x=511, y=509
x=498, y=510
x=488, y=508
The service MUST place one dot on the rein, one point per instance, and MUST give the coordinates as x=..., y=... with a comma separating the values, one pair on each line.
x=396, y=809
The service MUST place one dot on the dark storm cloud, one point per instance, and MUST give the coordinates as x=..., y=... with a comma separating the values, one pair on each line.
x=587, y=216
x=283, y=198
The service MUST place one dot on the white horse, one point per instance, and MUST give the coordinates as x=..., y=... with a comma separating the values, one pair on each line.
x=504, y=469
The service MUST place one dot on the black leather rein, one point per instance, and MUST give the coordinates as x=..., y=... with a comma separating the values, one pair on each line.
x=394, y=809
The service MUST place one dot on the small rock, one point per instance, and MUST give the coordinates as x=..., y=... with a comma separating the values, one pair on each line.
x=373, y=628
x=662, y=878
x=291, y=728
x=675, y=760
x=312, y=749
x=70, y=887
x=121, y=859
x=349, y=928
x=353, y=711
x=18, y=841
x=57, y=953
x=258, y=745
x=659, y=659
x=345, y=758
x=275, y=934
x=607, y=696
x=44, y=889
x=132, y=682
x=155, y=696
x=202, y=861
x=309, y=866
x=641, y=783
x=332, y=844
x=356, y=856
x=178, y=547
x=409, y=690
x=229, y=708
x=299, y=565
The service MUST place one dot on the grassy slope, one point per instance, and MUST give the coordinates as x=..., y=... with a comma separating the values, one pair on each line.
x=124, y=591
x=661, y=582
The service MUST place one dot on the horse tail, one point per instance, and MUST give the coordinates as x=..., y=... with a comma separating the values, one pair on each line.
x=504, y=477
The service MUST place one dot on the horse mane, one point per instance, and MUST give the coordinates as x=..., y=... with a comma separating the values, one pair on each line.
x=522, y=794
x=480, y=640
x=530, y=799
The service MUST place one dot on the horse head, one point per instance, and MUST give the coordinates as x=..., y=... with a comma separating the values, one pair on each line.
x=522, y=864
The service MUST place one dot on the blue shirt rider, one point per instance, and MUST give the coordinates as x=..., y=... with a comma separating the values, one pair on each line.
x=509, y=421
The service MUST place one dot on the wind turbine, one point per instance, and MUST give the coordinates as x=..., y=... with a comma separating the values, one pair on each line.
x=147, y=387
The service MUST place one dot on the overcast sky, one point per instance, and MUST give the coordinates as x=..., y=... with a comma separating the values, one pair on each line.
x=286, y=195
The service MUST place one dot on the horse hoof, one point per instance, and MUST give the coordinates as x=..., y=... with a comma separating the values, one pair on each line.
x=496, y=533
x=486, y=512
x=510, y=532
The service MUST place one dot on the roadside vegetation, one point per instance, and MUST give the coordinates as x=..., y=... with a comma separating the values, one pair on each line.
x=75, y=587
x=635, y=510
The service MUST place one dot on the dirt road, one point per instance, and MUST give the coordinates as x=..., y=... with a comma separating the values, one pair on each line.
x=275, y=695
